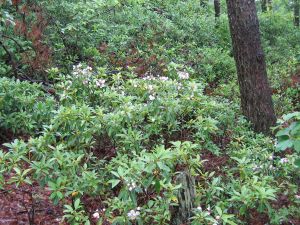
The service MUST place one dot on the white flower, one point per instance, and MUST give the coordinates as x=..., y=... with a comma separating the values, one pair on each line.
x=256, y=168
x=271, y=157
x=179, y=86
x=297, y=196
x=194, y=87
x=199, y=208
x=85, y=82
x=96, y=215
x=133, y=214
x=284, y=160
x=58, y=219
x=135, y=85
x=151, y=97
x=183, y=75
x=208, y=210
x=218, y=217
x=164, y=78
x=138, y=208
x=150, y=87
x=131, y=186
x=100, y=83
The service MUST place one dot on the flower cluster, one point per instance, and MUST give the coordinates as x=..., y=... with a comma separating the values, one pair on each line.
x=79, y=71
x=131, y=186
x=183, y=75
x=96, y=214
x=150, y=87
x=284, y=160
x=133, y=214
x=256, y=167
x=208, y=210
x=151, y=77
x=100, y=83
x=151, y=97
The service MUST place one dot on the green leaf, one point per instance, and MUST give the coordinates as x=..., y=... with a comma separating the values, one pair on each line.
x=297, y=146
x=291, y=115
x=157, y=186
x=59, y=195
x=115, y=173
x=284, y=144
x=77, y=203
x=297, y=162
x=284, y=132
x=17, y=170
x=114, y=182
x=219, y=210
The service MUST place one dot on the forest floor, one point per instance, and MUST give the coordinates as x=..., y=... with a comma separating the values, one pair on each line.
x=18, y=207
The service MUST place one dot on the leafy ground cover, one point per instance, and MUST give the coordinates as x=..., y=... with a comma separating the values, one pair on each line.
x=134, y=93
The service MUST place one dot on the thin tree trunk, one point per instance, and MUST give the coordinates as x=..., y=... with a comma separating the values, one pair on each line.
x=296, y=13
x=256, y=100
x=263, y=5
x=217, y=7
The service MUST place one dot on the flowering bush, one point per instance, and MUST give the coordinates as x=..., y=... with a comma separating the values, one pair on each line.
x=121, y=137
x=140, y=91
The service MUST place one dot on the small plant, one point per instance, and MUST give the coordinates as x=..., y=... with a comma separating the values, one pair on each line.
x=288, y=135
x=75, y=214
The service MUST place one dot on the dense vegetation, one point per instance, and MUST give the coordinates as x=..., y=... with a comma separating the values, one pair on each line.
x=104, y=103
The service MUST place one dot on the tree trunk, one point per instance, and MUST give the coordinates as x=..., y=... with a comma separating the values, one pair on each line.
x=256, y=96
x=217, y=6
x=263, y=5
x=182, y=213
x=296, y=13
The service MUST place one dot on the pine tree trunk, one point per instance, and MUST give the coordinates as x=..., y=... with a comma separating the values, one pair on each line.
x=263, y=5
x=256, y=100
x=296, y=13
x=217, y=7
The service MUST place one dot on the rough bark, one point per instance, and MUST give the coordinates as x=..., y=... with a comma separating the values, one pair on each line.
x=217, y=7
x=256, y=100
x=183, y=212
x=263, y=5
x=297, y=13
